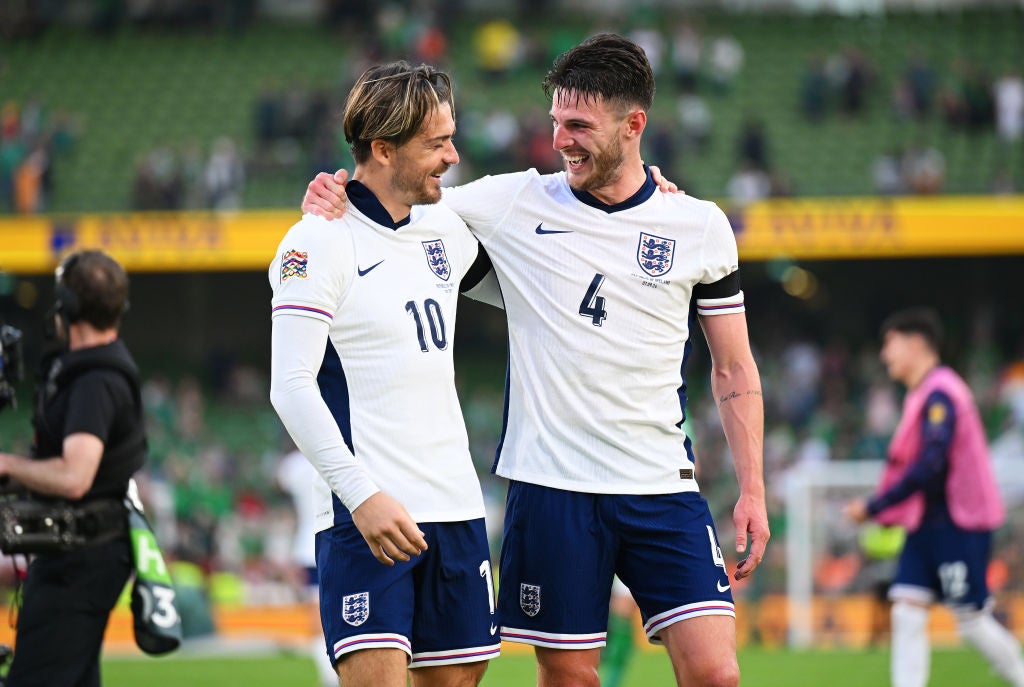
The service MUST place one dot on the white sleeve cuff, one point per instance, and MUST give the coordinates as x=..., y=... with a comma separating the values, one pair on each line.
x=721, y=306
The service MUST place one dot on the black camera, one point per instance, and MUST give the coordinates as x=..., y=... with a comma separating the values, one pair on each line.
x=11, y=368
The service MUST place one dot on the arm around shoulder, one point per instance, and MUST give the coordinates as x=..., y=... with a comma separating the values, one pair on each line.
x=484, y=203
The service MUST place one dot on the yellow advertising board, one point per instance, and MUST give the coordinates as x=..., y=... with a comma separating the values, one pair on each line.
x=808, y=229
x=824, y=229
x=154, y=241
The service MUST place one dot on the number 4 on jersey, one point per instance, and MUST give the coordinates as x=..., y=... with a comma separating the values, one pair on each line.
x=592, y=305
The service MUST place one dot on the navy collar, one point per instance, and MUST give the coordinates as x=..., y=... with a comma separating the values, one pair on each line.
x=643, y=193
x=367, y=203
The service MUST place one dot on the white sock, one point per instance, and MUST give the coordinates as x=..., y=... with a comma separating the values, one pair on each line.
x=995, y=643
x=324, y=669
x=911, y=649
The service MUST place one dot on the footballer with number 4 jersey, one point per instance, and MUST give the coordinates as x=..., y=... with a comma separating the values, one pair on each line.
x=596, y=396
x=603, y=281
x=362, y=377
x=599, y=319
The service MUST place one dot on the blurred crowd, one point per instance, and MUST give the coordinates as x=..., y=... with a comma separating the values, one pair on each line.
x=295, y=125
x=184, y=178
x=31, y=138
x=964, y=97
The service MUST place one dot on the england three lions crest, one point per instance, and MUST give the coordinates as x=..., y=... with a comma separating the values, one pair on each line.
x=355, y=608
x=529, y=599
x=437, y=258
x=655, y=254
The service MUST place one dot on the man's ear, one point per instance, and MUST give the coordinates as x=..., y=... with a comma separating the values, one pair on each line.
x=636, y=121
x=382, y=151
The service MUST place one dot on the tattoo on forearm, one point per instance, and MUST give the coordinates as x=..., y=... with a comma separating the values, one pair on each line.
x=735, y=394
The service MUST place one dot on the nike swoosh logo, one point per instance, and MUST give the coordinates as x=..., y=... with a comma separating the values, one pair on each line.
x=363, y=273
x=494, y=628
x=721, y=588
x=541, y=230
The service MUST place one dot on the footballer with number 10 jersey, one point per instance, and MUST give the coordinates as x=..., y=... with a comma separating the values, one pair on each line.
x=388, y=292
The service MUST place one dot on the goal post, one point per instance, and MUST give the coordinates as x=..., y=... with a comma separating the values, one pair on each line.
x=816, y=528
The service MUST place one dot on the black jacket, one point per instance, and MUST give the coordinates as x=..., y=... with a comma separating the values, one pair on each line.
x=94, y=390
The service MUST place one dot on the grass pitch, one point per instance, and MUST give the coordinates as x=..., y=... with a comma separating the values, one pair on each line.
x=761, y=668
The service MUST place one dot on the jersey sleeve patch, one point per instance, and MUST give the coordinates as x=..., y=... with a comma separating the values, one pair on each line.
x=939, y=418
x=294, y=264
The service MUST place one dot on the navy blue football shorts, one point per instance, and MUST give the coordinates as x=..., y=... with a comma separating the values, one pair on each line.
x=438, y=607
x=561, y=550
x=942, y=562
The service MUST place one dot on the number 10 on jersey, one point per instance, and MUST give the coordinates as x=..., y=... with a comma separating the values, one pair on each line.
x=435, y=320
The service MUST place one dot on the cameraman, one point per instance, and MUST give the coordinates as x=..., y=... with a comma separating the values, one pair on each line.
x=89, y=440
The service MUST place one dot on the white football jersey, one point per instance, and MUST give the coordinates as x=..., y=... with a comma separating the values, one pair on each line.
x=598, y=300
x=389, y=296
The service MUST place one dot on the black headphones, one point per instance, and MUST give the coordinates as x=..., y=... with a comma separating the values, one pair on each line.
x=66, y=304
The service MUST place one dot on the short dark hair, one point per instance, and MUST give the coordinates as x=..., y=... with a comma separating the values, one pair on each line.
x=922, y=321
x=92, y=287
x=607, y=66
x=390, y=102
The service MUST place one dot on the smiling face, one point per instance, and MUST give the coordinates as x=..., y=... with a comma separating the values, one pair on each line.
x=588, y=136
x=599, y=141
x=420, y=162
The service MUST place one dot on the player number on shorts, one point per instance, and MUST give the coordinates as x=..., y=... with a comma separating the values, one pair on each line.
x=953, y=577
x=592, y=305
x=435, y=321
x=485, y=572
x=716, y=550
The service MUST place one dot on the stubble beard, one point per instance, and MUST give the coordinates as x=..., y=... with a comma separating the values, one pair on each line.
x=416, y=188
x=607, y=168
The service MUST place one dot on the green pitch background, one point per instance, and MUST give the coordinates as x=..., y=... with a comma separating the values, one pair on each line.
x=950, y=668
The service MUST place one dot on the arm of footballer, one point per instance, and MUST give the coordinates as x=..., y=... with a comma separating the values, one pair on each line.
x=737, y=388
x=928, y=471
x=388, y=529
x=297, y=352
x=325, y=195
x=69, y=475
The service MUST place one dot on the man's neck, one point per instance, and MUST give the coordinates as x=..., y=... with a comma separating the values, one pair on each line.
x=381, y=188
x=629, y=182
x=926, y=364
x=83, y=335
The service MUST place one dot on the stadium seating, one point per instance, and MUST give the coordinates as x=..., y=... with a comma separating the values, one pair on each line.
x=142, y=88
